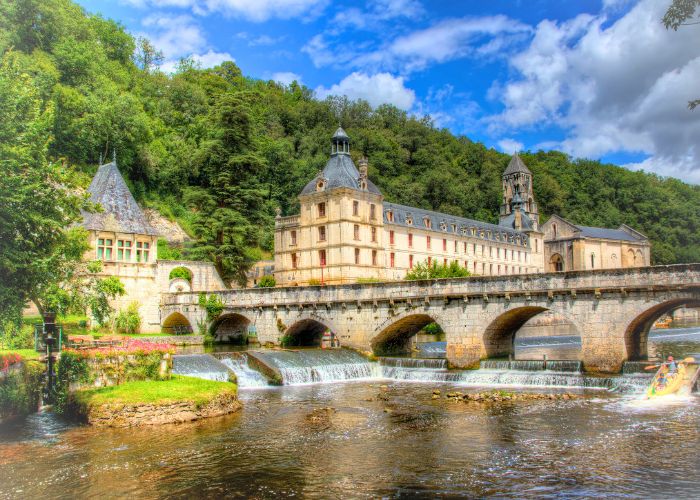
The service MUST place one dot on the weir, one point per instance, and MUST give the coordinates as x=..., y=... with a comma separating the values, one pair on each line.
x=247, y=376
x=203, y=366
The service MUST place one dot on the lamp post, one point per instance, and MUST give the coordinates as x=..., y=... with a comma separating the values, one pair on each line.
x=49, y=341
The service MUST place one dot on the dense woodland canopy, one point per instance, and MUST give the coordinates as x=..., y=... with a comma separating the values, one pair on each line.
x=219, y=151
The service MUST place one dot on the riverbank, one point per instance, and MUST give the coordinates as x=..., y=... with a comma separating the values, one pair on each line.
x=149, y=402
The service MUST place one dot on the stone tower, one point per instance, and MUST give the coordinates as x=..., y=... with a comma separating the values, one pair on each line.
x=517, y=179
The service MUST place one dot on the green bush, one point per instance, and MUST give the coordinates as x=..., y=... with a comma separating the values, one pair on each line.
x=424, y=271
x=432, y=329
x=212, y=305
x=14, y=336
x=128, y=320
x=20, y=390
x=181, y=272
x=167, y=252
x=267, y=281
x=314, y=282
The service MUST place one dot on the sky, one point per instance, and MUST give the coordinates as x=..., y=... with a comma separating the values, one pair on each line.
x=599, y=79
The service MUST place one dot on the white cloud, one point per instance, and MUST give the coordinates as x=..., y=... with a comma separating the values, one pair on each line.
x=447, y=40
x=178, y=37
x=253, y=10
x=617, y=88
x=380, y=88
x=286, y=77
x=510, y=146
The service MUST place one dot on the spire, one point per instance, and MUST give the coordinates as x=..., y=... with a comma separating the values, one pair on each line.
x=340, y=142
x=516, y=165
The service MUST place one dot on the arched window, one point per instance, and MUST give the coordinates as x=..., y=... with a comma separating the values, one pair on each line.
x=556, y=263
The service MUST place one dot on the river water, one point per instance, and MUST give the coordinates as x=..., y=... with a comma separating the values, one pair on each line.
x=377, y=436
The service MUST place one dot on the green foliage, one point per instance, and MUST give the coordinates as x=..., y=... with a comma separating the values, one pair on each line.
x=432, y=329
x=16, y=336
x=267, y=281
x=212, y=304
x=287, y=341
x=423, y=271
x=218, y=152
x=680, y=13
x=128, y=320
x=368, y=280
x=20, y=390
x=103, y=291
x=71, y=369
x=181, y=272
x=167, y=252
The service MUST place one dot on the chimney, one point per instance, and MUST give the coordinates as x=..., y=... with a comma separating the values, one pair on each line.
x=363, y=167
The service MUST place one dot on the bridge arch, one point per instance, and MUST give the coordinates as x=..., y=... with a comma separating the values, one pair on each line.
x=306, y=332
x=396, y=337
x=499, y=336
x=231, y=327
x=174, y=322
x=637, y=330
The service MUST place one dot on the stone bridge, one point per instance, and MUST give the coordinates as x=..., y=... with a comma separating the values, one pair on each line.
x=612, y=310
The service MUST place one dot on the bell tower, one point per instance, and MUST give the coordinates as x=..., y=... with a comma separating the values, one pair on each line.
x=517, y=179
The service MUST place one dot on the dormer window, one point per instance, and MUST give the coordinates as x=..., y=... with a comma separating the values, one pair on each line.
x=363, y=185
x=409, y=220
x=454, y=228
x=390, y=216
x=320, y=185
x=443, y=226
x=428, y=223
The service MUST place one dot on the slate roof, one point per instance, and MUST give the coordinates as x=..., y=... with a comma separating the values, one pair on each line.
x=516, y=165
x=509, y=221
x=340, y=171
x=442, y=223
x=120, y=212
x=608, y=234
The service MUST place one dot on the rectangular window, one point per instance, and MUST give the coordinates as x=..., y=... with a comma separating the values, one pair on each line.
x=392, y=262
x=294, y=238
x=410, y=241
x=499, y=269
x=124, y=250
x=356, y=232
x=322, y=233
x=374, y=234
x=410, y=261
x=456, y=248
x=465, y=247
x=322, y=257
x=430, y=261
x=374, y=257
x=444, y=245
x=322, y=209
x=357, y=256
x=104, y=249
x=372, y=212
x=355, y=208
x=391, y=237
x=294, y=261
x=142, y=251
x=474, y=248
x=498, y=253
x=490, y=268
x=427, y=242
x=491, y=252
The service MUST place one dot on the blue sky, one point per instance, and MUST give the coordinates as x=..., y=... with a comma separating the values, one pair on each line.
x=597, y=79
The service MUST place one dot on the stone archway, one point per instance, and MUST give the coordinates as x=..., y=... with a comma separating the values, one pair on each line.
x=176, y=324
x=396, y=338
x=556, y=263
x=232, y=328
x=637, y=330
x=307, y=332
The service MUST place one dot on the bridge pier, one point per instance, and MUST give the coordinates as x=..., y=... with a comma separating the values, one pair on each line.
x=466, y=355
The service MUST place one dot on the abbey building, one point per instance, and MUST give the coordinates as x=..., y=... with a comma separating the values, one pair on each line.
x=346, y=232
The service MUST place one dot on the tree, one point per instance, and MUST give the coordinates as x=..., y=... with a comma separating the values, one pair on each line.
x=677, y=15
x=36, y=200
x=146, y=56
x=425, y=271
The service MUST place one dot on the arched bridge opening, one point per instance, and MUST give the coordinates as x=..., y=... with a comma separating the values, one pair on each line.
x=396, y=338
x=305, y=333
x=532, y=333
x=176, y=324
x=637, y=343
x=231, y=328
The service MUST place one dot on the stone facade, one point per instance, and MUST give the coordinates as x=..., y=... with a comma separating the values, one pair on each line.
x=123, y=240
x=611, y=310
x=571, y=247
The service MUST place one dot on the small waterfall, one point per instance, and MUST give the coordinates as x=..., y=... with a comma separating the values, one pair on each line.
x=246, y=376
x=631, y=367
x=435, y=363
x=200, y=366
x=573, y=366
x=316, y=365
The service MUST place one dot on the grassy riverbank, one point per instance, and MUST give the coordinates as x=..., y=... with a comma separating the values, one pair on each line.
x=177, y=389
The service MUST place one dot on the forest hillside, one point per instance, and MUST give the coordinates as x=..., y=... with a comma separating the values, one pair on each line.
x=218, y=151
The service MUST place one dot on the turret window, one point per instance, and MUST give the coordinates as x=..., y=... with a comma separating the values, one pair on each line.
x=357, y=256
x=355, y=208
x=293, y=236
x=356, y=232
x=374, y=234
x=372, y=212
x=374, y=257
x=322, y=257
x=322, y=233
x=294, y=261
x=322, y=209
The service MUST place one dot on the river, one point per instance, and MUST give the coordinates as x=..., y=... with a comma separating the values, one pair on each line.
x=376, y=437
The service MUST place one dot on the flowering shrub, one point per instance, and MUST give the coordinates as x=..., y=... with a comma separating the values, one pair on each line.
x=130, y=347
x=9, y=359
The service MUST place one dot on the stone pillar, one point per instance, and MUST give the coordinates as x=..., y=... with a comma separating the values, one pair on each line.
x=603, y=354
x=463, y=355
